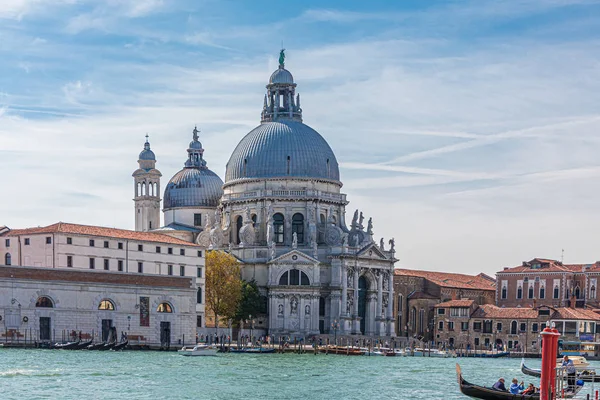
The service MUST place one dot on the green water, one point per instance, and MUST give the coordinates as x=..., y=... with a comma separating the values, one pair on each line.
x=63, y=374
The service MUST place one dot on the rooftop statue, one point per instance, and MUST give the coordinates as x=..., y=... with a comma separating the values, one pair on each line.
x=282, y=58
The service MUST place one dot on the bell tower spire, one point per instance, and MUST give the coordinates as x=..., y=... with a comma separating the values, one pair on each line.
x=281, y=101
x=147, y=191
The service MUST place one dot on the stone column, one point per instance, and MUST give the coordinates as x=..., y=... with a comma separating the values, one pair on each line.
x=344, y=290
x=391, y=329
x=379, y=294
x=356, y=273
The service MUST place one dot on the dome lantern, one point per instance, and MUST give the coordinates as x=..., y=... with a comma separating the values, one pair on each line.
x=281, y=101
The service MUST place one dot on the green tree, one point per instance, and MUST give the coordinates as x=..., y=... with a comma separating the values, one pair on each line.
x=223, y=285
x=251, y=303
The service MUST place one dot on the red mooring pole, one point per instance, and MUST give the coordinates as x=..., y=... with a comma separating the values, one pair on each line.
x=554, y=358
x=548, y=364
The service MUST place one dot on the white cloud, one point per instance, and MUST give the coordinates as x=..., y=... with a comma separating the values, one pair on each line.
x=473, y=157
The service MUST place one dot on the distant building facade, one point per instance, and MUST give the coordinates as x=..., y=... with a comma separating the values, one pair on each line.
x=93, y=248
x=461, y=324
x=48, y=305
x=548, y=282
x=418, y=292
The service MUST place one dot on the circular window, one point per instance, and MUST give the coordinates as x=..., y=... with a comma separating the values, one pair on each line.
x=294, y=257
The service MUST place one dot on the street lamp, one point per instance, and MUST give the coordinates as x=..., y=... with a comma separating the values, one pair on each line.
x=335, y=325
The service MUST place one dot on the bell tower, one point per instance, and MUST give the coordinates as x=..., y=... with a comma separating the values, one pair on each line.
x=147, y=191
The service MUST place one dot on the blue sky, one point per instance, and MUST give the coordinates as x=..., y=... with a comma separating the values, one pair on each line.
x=469, y=130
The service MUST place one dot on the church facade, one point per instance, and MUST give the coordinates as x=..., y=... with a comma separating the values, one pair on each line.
x=281, y=213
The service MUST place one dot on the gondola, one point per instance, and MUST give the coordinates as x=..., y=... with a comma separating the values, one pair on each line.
x=96, y=346
x=121, y=345
x=83, y=345
x=486, y=393
x=67, y=346
x=585, y=375
x=107, y=346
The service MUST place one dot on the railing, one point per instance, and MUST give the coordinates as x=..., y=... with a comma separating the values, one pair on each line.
x=284, y=193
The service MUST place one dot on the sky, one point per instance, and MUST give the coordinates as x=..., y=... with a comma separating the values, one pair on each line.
x=469, y=130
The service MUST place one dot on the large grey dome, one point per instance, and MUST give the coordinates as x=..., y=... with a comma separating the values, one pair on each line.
x=193, y=187
x=282, y=148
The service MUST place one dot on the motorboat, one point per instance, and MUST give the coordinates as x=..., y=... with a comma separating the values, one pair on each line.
x=259, y=350
x=341, y=350
x=199, y=350
x=420, y=352
x=585, y=375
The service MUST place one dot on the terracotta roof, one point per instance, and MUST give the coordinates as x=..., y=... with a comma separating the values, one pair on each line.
x=548, y=265
x=94, y=276
x=457, y=303
x=492, y=311
x=575, y=314
x=451, y=280
x=76, y=229
x=421, y=295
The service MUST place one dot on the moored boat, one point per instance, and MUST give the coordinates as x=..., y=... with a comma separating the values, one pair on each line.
x=199, y=350
x=107, y=346
x=96, y=346
x=120, y=346
x=83, y=345
x=67, y=346
x=259, y=350
x=350, y=351
x=585, y=375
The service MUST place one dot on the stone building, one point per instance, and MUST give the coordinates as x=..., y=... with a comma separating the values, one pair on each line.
x=94, y=248
x=461, y=324
x=281, y=212
x=548, y=282
x=46, y=305
x=419, y=291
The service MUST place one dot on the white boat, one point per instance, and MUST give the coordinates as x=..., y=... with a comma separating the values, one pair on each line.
x=199, y=350
x=419, y=352
x=578, y=361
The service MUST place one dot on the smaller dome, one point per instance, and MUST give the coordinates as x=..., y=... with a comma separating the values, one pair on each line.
x=195, y=145
x=147, y=155
x=193, y=187
x=281, y=75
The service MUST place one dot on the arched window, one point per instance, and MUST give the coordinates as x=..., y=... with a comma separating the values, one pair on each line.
x=519, y=292
x=400, y=305
x=164, y=308
x=530, y=292
x=577, y=293
x=238, y=224
x=278, y=228
x=298, y=226
x=593, y=292
x=542, y=292
x=7, y=259
x=556, y=292
x=413, y=319
x=44, y=302
x=199, y=296
x=294, y=277
x=513, y=328
x=421, y=321
x=503, y=292
x=253, y=219
x=106, y=305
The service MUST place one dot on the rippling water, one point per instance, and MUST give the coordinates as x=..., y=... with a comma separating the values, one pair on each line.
x=56, y=374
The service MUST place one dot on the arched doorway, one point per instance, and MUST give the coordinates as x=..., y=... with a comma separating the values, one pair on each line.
x=362, y=302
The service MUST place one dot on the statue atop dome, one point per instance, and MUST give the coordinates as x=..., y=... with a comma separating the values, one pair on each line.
x=282, y=58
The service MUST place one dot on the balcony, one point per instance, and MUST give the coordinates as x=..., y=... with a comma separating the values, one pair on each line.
x=286, y=194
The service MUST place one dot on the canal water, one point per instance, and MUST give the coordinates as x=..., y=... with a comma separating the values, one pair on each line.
x=63, y=374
